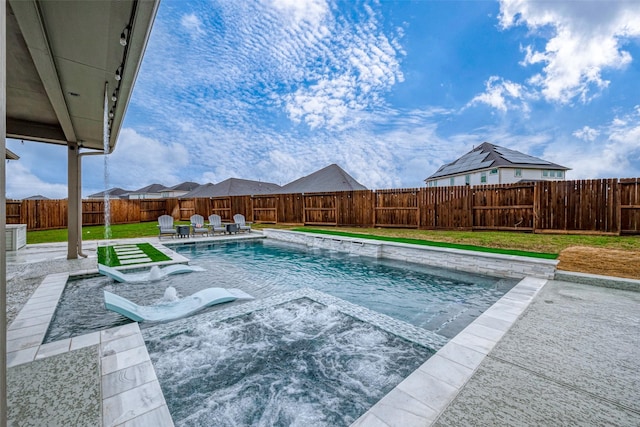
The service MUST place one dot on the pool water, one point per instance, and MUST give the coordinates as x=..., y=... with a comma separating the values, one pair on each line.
x=298, y=363
x=439, y=300
x=305, y=352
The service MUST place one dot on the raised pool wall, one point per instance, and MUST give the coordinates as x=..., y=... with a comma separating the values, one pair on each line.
x=496, y=265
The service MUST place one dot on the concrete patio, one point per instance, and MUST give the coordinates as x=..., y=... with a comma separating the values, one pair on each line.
x=569, y=358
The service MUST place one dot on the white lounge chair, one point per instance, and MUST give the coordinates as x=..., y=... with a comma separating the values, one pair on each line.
x=156, y=273
x=215, y=224
x=173, y=310
x=242, y=224
x=197, y=225
x=165, y=224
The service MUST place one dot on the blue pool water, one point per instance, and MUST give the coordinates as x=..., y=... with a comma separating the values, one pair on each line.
x=284, y=360
x=294, y=364
x=439, y=300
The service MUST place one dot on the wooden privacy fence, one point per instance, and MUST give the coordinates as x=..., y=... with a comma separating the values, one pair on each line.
x=604, y=206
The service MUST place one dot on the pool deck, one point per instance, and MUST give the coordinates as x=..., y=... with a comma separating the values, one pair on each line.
x=554, y=352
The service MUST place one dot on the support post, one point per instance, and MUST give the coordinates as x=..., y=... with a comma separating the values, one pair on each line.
x=74, y=226
x=3, y=215
x=79, y=192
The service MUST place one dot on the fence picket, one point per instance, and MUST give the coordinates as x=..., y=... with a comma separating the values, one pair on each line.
x=601, y=206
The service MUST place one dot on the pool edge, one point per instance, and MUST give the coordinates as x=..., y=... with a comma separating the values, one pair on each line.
x=421, y=397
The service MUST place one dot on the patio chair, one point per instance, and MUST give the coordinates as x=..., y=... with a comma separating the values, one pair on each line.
x=215, y=224
x=242, y=224
x=197, y=225
x=165, y=224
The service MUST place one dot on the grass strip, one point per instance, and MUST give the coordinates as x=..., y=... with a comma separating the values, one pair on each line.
x=112, y=259
x=432, y=243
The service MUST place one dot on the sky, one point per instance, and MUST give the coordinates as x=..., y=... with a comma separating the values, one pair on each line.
x=272, y=90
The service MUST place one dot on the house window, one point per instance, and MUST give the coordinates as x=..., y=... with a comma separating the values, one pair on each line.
x=559, y=174
x=452, y=181
x=494, y=171
x=483, y=176
x=467, y=179
x=552, y=174
x=545, y=173
x=518, y=172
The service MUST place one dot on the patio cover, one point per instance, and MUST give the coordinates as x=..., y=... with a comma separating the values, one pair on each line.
x=58, y=59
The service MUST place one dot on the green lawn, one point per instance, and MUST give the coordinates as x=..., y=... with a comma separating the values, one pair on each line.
x=549, y=244
x=107, y=255
x=542, y=243
x=118, y=231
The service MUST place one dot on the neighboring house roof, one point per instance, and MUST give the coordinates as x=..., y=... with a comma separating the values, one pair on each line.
x=114, y=192
x=185, y=186
x=488, y=155
x=36, y=197
x=234, y=187
x=203, y=190
x=10, y=155
x=153, y=188
x=331, y=178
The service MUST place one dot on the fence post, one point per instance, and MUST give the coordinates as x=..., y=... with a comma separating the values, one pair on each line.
x=24, y=215
x=374, y=209
x=618, y=206
x=536, y=205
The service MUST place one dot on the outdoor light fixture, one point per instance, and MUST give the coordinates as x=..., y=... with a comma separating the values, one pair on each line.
x=111, y=114
x=114, y=96
x=119, y=73
x=124, y=35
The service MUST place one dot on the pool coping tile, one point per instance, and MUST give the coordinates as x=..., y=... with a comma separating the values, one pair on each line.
x=132, y=393
x=53, y=348
x=34, y=319
x=19, y=357
x=154, y=418
x=439, y=380
x=37, y=329
x=130, y=387
x=113, y=362
x=125, y=401
x=127, y=378
x=446, y=370
x=86, y=340
x=400, y=409
x=22, y=322
x=132, y=403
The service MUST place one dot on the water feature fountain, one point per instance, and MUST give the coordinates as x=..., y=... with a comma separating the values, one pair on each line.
x=170, y=294
x=156, y=274
x=107, y=201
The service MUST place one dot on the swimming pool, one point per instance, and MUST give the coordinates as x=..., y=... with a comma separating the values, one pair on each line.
x=439, y=300
x=327, y=336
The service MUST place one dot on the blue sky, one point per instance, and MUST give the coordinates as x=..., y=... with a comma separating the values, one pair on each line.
x=272, y=90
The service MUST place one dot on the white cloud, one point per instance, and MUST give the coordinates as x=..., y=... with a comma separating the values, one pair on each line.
x=311, y=11
x=613, y=152
x=503, y=95
x=587, y=38
x=22, y=182
x=137, y=161
x=586, y=133
x=304, y=59
x=192, y=24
